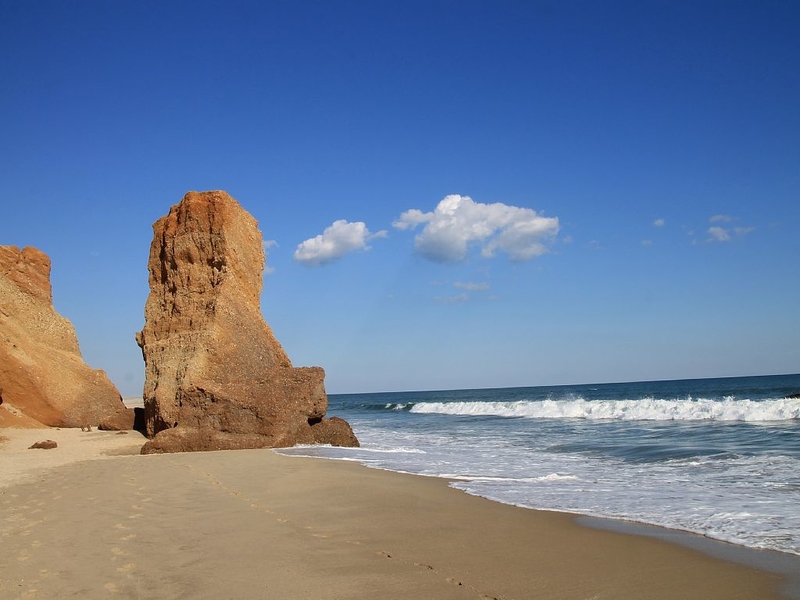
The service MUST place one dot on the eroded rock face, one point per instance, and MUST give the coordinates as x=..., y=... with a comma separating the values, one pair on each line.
x=215, y=376
x=44, y=379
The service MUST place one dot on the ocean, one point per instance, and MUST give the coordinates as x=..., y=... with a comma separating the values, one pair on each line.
x=716, y=457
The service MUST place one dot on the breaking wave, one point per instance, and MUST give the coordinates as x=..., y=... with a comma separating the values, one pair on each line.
x=646, y=409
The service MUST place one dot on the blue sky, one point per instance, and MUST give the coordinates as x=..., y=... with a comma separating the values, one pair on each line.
x=452, y=194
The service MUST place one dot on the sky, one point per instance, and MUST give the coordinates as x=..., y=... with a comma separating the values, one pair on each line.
x=452, y=194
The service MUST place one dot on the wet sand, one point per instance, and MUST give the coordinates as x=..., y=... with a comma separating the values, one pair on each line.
x=86, y=519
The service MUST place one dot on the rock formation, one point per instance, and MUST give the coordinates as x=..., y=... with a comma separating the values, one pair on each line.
x=43, y=377
x=44, y=445
x=215, y=376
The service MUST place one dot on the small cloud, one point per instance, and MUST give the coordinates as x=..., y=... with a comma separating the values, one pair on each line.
x=567, y=239
x=267, y=244
x=472, y=287
x=339, y=239
x=452, y=299
x=647, y=243
x=459, y=222
x=659, y=223
x=718, y=234
x=720, y=219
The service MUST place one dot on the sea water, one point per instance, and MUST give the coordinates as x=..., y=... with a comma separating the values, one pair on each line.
x=717, y=457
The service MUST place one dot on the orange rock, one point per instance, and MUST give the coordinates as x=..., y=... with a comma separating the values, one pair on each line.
x=44, y=445
x=45, y=381
x=215, y=376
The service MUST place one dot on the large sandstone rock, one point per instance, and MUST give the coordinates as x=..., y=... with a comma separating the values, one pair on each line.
x=43, y=377
x=215, y=376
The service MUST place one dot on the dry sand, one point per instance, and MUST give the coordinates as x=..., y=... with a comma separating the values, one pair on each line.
x=255, y=524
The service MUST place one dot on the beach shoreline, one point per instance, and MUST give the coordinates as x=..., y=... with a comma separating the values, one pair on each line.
x=99, y=520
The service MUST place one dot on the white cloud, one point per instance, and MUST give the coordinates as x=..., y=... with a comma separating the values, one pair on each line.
x=267, y=244
x=719, y=234
x=472, y=287
x=720, y=219
x=659, y=223
x=337, y=240
x=452, y=299
x=459, y=222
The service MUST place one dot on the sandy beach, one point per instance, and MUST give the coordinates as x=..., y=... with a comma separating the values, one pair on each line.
x=92, y=519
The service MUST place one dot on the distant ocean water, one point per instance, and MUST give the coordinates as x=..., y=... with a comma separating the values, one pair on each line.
x=717, y=457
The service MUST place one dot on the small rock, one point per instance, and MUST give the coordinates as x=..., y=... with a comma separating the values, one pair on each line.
x=45, y=445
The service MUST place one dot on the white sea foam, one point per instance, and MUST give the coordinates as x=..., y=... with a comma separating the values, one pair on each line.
x=742, y=509
x=485, y=478
x=646, y=409
x=684, y=455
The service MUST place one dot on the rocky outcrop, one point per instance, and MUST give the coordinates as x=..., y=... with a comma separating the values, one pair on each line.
x=215, y=376
x=43, y=377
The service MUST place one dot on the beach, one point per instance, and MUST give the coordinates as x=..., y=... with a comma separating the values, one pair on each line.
x=92, y=519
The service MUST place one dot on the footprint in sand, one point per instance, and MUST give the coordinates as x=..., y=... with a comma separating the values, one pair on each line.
x=111, y=587
x=319, y=535
x=121, y=526
x=117, y=551
x=126, y=538
x=453, y=581
x=126, y=568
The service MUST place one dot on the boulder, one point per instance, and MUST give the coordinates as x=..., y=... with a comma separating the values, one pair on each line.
x=45, y=381
x=44, y=445
x=215, y=376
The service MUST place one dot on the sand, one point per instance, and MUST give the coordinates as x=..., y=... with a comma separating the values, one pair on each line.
x=89, y=520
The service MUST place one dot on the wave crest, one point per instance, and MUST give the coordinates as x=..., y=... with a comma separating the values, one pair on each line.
x=646, y=409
